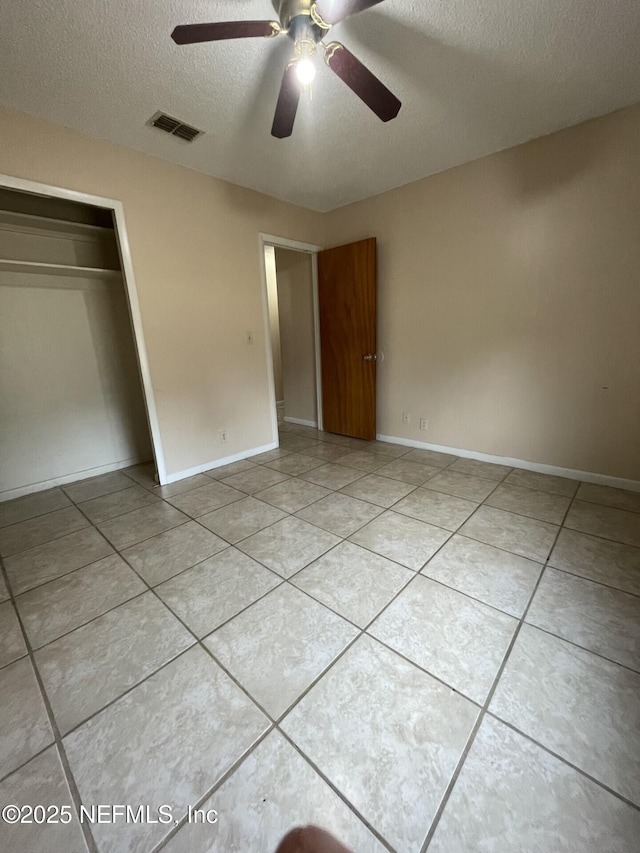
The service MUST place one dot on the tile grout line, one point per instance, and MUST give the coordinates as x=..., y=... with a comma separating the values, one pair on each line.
x=574, y=574
x=73, y=533
x=300, y=697
x=583, y=648
x=565, y=761
x=120, y=553
x=224, y=777
x=273, y=727
x=286, y=580
x=29, y=760
x=274, y=722
x=272, y=524
x=344, y=799
x=479, y=504
x=66, y=633
x=64, y=574
x=198, y=643
x=57, y=739
x=148, y=589
x=327, y=530
x=151, y=587
x=484, y=709
x=309, y=688
x=414, y=574
x=330, y=442
x=338, y=491
x=419, y=571
x=346, y=538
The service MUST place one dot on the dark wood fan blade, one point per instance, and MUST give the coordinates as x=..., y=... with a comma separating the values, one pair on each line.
x=365, y=84
x=287, y=105
x=192, y=33
x=334, y=11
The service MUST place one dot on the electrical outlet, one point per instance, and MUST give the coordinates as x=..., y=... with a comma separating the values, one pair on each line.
x=224, y=436
x=424, y=423
x=406, y=417
x=249, y=338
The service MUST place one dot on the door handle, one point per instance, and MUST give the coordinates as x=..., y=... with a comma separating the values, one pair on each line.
x=370, y=357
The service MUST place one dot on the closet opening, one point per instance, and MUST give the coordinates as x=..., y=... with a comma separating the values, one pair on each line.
x=76, y=398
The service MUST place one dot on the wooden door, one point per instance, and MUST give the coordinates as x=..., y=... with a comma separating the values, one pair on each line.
x=347, y=311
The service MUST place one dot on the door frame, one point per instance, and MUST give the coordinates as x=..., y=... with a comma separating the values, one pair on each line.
x=130, y=289
x=307, y=249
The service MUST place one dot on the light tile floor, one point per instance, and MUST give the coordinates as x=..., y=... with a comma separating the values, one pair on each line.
x=413, y=650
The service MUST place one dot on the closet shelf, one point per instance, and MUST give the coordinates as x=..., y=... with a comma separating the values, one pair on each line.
x=44, y=225
x=9, y=265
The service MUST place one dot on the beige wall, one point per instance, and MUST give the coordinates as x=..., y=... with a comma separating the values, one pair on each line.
x=194, y=246
x=508, y=295
x=509, y=300
x=297, y=339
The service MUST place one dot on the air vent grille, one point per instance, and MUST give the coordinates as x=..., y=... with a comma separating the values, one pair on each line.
x=175, y=127
x=183, y=131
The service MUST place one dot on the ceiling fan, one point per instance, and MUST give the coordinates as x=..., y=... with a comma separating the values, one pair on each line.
x=306, y=23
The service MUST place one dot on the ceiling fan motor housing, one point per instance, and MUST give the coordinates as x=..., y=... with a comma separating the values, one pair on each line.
x=296, y=20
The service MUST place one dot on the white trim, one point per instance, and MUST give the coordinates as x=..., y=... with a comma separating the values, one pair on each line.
x=299, y=421
x=218, y=463
x=539, y=467
x=138, y=337
x=21, y=491
x=316, y=336
x=309, y=249
x=130, y=289
x=271, y=381
x=285, y=243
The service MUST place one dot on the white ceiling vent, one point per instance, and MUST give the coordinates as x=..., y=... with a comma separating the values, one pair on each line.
x=175, y=127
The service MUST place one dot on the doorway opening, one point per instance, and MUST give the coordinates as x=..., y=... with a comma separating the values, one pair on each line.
x=291, y=314
x=75, y=386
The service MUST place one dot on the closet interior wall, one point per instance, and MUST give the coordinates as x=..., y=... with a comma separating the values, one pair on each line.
x=71, y=398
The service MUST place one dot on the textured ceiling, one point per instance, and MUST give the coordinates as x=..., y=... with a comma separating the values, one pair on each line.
x=474, y=76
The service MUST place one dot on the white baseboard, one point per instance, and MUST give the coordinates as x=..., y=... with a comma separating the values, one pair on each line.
x=300, y=422
x=541, y=468
x=20, y=492
x=218, y=463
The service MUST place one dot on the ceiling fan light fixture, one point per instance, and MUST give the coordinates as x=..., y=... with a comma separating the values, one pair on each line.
x=305, y=25
x=305, y=71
